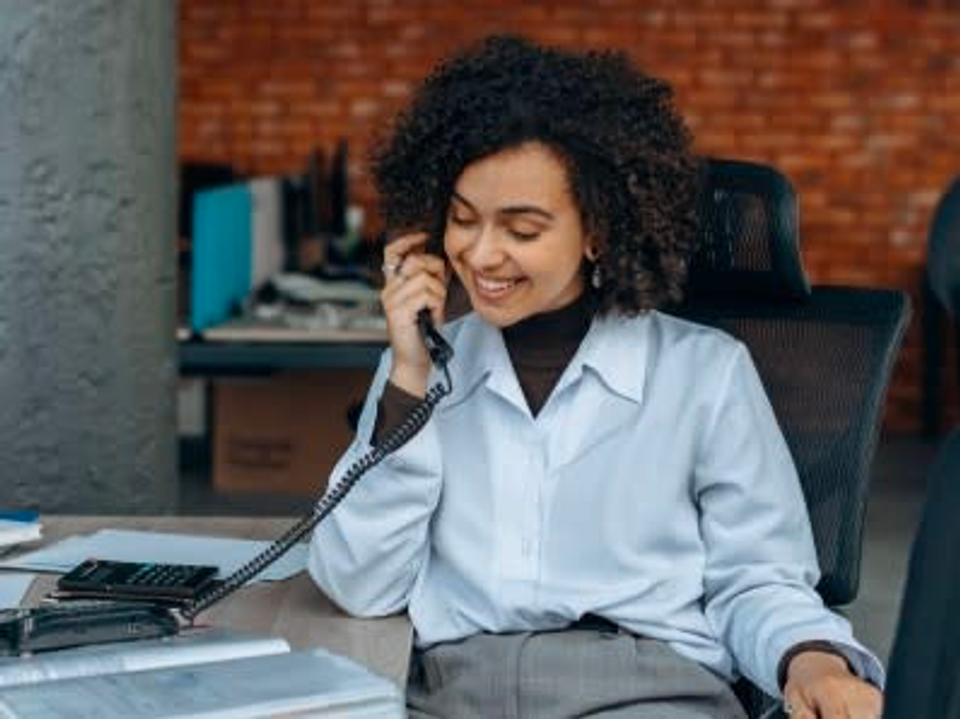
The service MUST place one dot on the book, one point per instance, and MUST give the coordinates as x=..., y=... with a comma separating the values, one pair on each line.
x=213, y=674
x=18, y=526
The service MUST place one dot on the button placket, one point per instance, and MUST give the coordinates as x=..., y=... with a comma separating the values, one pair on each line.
x=531, y=493
x=531, y=543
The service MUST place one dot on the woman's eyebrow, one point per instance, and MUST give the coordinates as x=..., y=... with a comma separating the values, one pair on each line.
x=526, y=210
x=510, y=210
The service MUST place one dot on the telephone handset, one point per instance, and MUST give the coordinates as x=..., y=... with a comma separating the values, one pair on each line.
x=438, y=348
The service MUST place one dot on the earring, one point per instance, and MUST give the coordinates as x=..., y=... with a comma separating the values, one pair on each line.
x=596, y=277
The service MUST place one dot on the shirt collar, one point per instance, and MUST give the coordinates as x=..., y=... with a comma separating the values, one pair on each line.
x=615, y=348
x=478, y=354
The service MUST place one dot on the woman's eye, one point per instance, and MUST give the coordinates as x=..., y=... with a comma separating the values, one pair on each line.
x=461, y=221
x=523, y=233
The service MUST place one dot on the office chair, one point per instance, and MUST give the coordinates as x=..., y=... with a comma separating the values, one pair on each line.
x=941, y=292
x=924, y=677
x=824, y=353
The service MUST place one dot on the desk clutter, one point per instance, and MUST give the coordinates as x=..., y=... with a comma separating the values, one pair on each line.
x=297, y=307
x=285, y=251
x=139, y=659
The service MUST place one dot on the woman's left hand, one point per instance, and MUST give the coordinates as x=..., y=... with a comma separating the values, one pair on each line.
x=820, y=686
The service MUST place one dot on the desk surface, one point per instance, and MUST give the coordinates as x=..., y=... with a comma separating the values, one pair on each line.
x=294, y=609
x=203, y=357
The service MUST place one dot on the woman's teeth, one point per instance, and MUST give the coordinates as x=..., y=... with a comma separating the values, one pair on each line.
x=493, y=286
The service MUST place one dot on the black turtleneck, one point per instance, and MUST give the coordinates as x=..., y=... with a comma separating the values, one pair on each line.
x=542, y=346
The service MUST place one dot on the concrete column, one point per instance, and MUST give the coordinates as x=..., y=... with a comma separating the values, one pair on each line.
x=87, y=255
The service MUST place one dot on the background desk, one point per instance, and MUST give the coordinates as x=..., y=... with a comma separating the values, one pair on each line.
x=202, y=357
x=294, y=609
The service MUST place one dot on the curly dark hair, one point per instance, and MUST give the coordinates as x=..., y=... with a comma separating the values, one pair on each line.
x=625, y=147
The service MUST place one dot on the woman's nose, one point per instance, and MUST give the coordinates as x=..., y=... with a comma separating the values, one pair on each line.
x=486, y=249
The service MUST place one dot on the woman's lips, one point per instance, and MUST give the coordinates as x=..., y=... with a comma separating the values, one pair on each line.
x=493, y=288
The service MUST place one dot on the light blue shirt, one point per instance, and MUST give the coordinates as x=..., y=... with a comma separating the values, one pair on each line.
x=654, y=488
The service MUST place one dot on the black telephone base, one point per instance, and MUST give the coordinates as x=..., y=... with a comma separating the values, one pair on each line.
x=74, y=624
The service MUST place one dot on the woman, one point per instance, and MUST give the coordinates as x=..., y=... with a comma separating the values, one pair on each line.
x=602, y=518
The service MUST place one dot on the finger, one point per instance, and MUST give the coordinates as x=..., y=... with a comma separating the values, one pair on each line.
x=406, y=285
x=414, y=263
x=423, y=290
x=795, y=707
x=403, y=266
x=412, y=266
x=397, y=247
x=830, y=705
x=436, y=265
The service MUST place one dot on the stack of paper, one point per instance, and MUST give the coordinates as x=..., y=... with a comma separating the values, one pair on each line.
x=18, y=526
x=216, y=675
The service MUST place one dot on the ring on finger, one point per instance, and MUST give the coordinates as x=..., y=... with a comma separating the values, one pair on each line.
x=392, y=268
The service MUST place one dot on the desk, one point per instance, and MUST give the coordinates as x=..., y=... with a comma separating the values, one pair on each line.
x=294, y=609
x=212, y=358
x=243, y=346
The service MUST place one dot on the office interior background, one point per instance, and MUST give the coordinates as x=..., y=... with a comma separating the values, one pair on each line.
x=857, y=102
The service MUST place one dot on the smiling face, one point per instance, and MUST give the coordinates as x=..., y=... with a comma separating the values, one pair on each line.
x=514, y=235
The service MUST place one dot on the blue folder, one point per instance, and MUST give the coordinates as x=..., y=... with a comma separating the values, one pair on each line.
x=222, y=269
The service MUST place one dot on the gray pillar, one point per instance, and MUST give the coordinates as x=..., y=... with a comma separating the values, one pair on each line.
x=87, y=245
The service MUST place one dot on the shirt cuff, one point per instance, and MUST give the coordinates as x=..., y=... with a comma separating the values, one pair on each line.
x=859, y=663
x=393, y=408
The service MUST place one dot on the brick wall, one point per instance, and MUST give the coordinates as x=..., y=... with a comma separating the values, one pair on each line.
x=857, y=101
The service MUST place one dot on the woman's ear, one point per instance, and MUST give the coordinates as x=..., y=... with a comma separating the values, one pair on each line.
x=591, y=252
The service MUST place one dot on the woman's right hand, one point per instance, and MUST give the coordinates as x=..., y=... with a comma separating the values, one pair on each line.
x=415, y=280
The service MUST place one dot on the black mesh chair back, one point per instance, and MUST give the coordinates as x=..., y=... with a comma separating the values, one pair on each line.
x=748, y=243
x=924, y=677
x=943, y=251
x=825, y=354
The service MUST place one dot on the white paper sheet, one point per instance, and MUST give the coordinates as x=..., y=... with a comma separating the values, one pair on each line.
x=276, y=684
x=190, y=647
x=134, y=546
x=13, y=587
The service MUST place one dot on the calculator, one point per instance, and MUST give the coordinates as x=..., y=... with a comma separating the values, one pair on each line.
x=137, y=580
